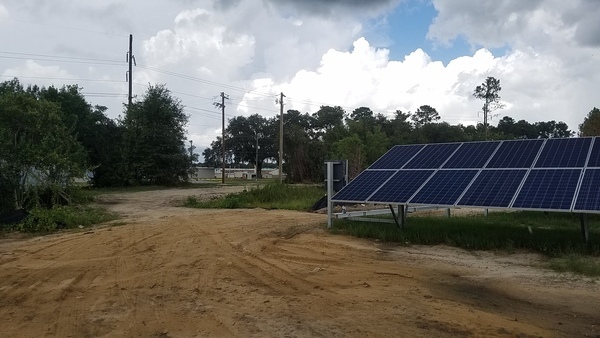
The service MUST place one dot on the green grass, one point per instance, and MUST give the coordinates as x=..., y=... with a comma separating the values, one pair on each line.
x=269, y=196
x=582, y=265
x=556, y=235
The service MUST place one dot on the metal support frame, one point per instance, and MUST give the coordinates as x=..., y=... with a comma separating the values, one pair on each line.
x=329, y=194
x=398, y=223
x=585, y=230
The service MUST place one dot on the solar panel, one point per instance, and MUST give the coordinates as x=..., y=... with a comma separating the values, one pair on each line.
x=444, y=188
x=595, y=154
x=553, y=174
x=588, y=198
x=472, y=155
x=515, y=154
x=493, y=188
x=432, y=157
x=564, y=153
x=363, y=185
x=396, y=157
x=549, y=189
x=401, y=186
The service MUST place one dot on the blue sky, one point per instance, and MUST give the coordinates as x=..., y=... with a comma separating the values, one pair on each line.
x=405, y=28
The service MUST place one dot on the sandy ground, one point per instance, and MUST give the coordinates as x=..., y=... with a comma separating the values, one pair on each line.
x=174, y=272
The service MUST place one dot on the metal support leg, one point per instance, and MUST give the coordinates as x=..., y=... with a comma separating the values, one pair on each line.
x=402, y=212
x=585, y=231
x=486, y=212
x=395, y=216
x=329, y=194
x=448, y=213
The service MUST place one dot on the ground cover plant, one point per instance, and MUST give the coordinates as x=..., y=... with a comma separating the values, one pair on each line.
x=43, y=220
x=269, y=196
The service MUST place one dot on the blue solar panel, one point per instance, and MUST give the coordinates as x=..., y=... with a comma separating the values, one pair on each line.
x=595, y=154
x=493, y=188
x=472, y=155
x=551, y=189
x=397, y=157
x=433, y=156
x=444, y=188
x=515, y=154
x=401, y=186
x=363, y=186
x=589, y=193
x=564, y=153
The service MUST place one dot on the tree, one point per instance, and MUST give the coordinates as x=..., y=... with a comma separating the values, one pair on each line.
x=591, y=124
x=213, y=155
x=489, y=93
x=303, y=151
x=399, y=129
x=101, y=137
x=552, y=129
x=362, y=113
x=155, y=150
x=425, y=114
x=354, y=150
x=38, y=153
x=245, y=134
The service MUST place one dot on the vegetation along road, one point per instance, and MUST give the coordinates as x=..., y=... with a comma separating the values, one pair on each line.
x=177, y=272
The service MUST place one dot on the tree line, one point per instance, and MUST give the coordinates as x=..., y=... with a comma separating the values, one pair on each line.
x=49, y=136
x=361, y=137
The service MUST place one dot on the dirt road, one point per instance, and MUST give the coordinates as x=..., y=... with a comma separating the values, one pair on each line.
x=173, y=272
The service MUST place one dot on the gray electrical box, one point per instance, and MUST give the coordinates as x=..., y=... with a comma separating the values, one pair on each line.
x=340, y=174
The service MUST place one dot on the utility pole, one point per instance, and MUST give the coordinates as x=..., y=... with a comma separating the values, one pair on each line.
x=131, y=61
x=280, y=101
x=257, y=156
x=222, y=106
x=191, y=152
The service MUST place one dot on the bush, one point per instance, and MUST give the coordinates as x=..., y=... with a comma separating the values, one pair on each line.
x=42, y=220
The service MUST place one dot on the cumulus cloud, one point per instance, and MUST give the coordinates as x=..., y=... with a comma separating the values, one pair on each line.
x=35, y=70
x=538, y=23
x=249, y=37
x=365, y=76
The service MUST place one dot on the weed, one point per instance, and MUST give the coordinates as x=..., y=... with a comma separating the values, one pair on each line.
x=269, y=196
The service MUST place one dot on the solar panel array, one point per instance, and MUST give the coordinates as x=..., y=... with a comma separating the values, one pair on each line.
x=561, y=174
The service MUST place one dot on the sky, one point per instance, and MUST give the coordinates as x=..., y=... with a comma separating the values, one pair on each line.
x=384, y=54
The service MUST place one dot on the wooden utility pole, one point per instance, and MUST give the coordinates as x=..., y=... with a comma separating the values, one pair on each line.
x=131, y=61
x=280, y=101
x=222, y=106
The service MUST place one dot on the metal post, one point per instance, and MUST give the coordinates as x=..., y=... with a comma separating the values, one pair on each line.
x=223, y=137
x=256, y=171
x=329, y=193
x=486, y=212
x=448, y=213
x=402, y=213
x=281, y=138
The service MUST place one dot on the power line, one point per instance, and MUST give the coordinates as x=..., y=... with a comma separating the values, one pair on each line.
x=80, y=60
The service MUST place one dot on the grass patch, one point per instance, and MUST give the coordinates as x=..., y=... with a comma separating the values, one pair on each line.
x=578, y=264
x=63, y=217
x=269, y=196
x=553, y=234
